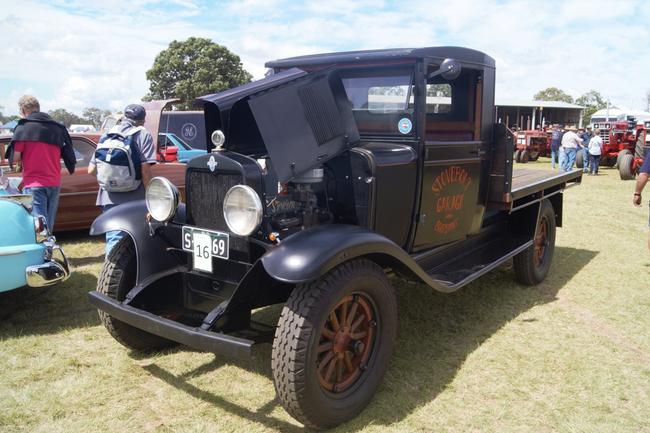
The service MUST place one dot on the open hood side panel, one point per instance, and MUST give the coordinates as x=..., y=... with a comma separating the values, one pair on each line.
x=304, y=123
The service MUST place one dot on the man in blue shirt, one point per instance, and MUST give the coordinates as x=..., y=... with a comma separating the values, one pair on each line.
x=641, y=180
x=586, y=136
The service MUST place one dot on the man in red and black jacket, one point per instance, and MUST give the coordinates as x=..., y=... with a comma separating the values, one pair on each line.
x=38, y=144
x=641, y=180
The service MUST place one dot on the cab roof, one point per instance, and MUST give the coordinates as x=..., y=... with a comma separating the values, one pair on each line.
x=464, y=55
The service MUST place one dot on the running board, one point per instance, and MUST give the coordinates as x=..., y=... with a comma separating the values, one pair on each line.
x=470, y=265
x=449, y=267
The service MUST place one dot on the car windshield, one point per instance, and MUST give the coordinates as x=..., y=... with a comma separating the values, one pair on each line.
x=382, y=101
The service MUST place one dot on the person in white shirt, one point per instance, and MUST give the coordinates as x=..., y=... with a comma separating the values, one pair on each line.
x=570, y=143
x=595, y=149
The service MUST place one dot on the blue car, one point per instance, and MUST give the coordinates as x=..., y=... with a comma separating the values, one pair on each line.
x=29, y=256
x=185, y=151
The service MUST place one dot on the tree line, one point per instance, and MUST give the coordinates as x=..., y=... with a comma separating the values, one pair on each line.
x=591, y=100
x=90, y=116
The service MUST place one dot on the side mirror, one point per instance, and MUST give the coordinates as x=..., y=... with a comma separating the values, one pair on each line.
x=449, y=69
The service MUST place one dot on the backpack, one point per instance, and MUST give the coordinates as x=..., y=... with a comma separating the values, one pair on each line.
x=118, y=161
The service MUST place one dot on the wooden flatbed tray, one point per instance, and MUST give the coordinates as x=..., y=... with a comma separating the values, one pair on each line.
x=528, y=181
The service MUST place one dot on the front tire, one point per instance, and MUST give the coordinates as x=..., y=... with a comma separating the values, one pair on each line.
x=115, y=280
x=532, y=265
x=333, y=344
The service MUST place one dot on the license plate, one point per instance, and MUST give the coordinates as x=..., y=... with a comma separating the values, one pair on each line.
x=204, y=245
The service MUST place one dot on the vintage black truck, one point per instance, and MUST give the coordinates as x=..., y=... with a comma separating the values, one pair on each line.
x=320, y=179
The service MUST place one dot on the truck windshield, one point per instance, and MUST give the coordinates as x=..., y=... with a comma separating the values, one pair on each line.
x=382, y=103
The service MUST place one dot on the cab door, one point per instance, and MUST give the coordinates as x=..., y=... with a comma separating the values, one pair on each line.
x=453, y=159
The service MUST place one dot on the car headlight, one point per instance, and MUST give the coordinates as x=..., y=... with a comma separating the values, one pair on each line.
x=162, y=199
x=242, y=210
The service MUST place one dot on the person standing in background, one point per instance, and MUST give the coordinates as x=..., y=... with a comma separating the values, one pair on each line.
x=586, y=137
x=38, y=144
x=570, y=143
x=595, y=149
x=143, y=155
x=556, y=140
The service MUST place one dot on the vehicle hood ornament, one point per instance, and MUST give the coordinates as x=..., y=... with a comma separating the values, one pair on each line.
x=212, y=163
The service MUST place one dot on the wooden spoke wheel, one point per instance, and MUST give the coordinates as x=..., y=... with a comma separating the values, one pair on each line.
x=532, y=265
x=333, y=343
x=541, y=241
x=347, y=339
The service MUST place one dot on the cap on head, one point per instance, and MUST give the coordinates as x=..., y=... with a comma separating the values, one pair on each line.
x=135, y=112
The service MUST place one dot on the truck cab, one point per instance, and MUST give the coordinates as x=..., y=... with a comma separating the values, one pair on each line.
x=320, y=180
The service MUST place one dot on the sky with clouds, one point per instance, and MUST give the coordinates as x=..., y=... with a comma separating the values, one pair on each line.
x=75, y=54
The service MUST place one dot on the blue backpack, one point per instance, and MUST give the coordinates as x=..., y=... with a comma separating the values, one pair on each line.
x=118, y=161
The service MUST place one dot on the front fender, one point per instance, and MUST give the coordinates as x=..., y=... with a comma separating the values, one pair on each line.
x=309, y=254
x=151, y=251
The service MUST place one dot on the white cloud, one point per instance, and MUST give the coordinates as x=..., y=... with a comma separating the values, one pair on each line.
x=87, y=53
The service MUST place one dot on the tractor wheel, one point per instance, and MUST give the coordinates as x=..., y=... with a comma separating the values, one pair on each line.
x=625, y=167
x=116, y=278
x=524, y=157
x=580, y=159
x=333, y=344
x=517, y=155
x=534, y=156
x=620, y=155
x=532, y=264
x=639, y=148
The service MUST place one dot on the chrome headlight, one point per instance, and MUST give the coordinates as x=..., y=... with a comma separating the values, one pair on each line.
x=162, y=199
x=242, y=210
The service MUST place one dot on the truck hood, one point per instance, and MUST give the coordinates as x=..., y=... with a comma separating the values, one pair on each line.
x=299, y=119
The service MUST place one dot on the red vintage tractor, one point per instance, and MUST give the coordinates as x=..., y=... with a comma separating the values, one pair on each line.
x=531, y=144
x=624, y=146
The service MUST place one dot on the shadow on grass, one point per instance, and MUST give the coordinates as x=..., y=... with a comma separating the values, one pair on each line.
x=437, y=332
x=48, y=310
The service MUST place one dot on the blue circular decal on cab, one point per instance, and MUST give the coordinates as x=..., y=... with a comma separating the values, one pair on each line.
x=404, y=125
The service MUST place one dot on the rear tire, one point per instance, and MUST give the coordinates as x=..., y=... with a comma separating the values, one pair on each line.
x=517, y=155
x=534, y=156
x=620, y=155
x=625, y=167
x=117, y=277
x=532, y=264
x=333, y=344
x=580, y=159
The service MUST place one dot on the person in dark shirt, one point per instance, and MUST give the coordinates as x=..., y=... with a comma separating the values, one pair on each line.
x=556, y=140
x=586, y=137
x=641, y=181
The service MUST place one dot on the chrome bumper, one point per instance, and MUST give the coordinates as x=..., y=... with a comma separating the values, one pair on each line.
x=54, y=270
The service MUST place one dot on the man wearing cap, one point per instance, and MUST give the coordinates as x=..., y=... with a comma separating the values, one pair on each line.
x=570, y=143
x=641, y=180
x=134, y=116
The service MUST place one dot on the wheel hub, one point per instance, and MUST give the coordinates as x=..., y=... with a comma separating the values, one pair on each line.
x=541, y=241
x=346, y=343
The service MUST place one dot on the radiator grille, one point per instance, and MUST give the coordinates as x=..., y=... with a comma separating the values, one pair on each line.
x=205, y=192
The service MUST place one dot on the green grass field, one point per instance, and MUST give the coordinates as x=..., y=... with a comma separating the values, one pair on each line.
x=571, y=355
